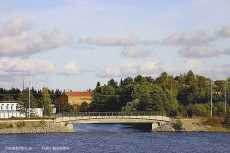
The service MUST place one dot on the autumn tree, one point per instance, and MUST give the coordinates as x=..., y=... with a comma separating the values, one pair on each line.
x=45, y=102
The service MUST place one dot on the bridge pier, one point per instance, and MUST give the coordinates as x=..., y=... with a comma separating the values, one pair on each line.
x=69, y=126
x=155, y=125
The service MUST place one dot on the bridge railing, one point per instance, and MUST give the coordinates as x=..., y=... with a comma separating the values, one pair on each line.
x=108, y=114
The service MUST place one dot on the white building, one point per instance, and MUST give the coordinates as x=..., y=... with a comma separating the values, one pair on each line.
x=53, y=108
x=10, y=108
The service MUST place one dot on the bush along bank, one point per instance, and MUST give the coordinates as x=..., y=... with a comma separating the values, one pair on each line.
x=33, y=127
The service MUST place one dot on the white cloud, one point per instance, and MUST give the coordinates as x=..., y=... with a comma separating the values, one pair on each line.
x=187, y=38
x=133, y=40
x=15, y=42
x=7, y=8
x=198, y=52
x=15, y=27
x=226, y=51
x=225, y=31
x=70, y=69
x=154, y=69
x=133, y=52
x=127, y=69
x=13, y=72
x=25, y=67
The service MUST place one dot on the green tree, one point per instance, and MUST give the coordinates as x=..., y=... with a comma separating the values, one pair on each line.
x=84, y=107
x=112, y=83
x=68, y=107
x=104, y=99
x=128, y=80
x=23, y=105
x=98, y=84
x=167, y=82
x=131, y=106
x=198, y=109
x=76, y=108
x=140, y=79
x=46, y=101
x=178, y=125
x=8, y=98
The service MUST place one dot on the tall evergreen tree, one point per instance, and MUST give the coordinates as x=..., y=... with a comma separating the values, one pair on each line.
x=23, y=105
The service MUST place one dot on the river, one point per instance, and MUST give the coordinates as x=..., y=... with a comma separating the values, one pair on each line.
x=112, y=138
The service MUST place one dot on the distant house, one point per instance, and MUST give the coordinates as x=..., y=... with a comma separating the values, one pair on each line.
x=53, y=108
x=10, y=108
x=72, y=98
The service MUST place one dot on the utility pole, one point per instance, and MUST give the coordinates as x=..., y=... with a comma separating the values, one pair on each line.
x=171, y=86
x=211, y=99
x=29, y=99
x=225, y=96
x=23, y=86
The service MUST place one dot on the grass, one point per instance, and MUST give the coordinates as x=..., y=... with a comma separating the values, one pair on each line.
x=214, y=122
x=218, y=124
x=218, y=129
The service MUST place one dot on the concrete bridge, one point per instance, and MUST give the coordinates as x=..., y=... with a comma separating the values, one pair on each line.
x=112, y=117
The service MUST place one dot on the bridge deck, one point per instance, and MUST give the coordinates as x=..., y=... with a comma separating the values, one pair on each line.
x=111, y=117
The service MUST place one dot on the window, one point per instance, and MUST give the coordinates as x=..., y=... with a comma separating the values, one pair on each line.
x=7, y=106
x=12, y=106
x=71, y=102
x=84, y=98
x=2, y=106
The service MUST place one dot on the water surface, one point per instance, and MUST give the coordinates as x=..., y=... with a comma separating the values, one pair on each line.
x=116, y=138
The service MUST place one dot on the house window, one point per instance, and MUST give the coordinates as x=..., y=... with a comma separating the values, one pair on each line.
x=2, y=106
x=71, y=102
x=7, y=106
x=84, y=98
x=12, y=106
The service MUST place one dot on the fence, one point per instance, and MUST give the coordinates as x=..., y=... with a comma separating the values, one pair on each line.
x=108, y=114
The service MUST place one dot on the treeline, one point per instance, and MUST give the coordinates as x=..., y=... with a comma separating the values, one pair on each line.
x=13, y=94
x=38, y=99
x=186, y=94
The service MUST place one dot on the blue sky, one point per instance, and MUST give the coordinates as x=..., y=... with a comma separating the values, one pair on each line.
x=73, y=44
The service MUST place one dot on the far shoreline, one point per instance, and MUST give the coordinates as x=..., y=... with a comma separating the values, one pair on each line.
x=48, y=126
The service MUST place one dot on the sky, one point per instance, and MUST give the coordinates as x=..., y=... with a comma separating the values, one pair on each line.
x=73, y=44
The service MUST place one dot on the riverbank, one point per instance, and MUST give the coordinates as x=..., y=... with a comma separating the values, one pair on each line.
x=201, y=124
x=26, y=127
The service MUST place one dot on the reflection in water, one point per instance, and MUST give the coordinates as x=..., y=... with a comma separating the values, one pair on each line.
x=85, y=127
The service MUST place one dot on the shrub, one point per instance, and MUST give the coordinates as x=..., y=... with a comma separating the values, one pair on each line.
x=42, y=122
x=215, y=122
x=178, y=125
x=2, y=125
x=21, y=124
x=5, y=125
x=12, y=117
x=227, y=122
x=10, y=125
